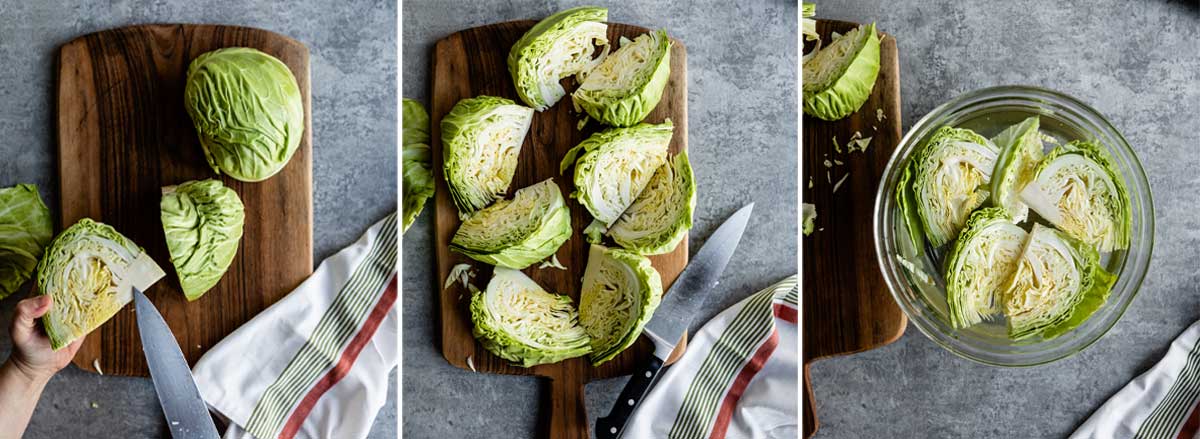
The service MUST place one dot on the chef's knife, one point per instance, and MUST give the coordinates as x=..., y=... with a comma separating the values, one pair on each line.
x=187, y=414
x=670, y=322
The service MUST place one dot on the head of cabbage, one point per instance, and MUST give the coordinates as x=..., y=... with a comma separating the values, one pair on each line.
x=25, y=230
x=90, y=271
x=481, y=140
x=628, y=84
x=614, y=166
x=620, y=292
x=247, y=110
x=1057, y=284
x=517, y=320
x=1079, y=190
x=519, y=232
x=418, y=169
x=202, y=221
x=561, y=45
x=661, y=215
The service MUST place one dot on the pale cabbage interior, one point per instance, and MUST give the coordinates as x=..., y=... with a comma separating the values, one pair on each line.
x=1071, y=192
x=953, y=188
x=985, y=264
x=656, y=208
x=827, y=64
x=611, y=296
x=626, y=68
x=529, y=314
x=1044, y=284
x=571, y=53
x=492, y=158
x=620, y=174
x=509, y=221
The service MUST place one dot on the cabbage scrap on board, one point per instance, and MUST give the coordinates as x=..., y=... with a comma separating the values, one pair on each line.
x=517, y=320
x=661, y=215
x=620, y=292
x=203, y=222
x=809, y=218
x=418, y=169
x=559, y=46
x=1078, y=189
x=614, y=166
x=25, y=230
x=519, y=232
x=1058, y=283
x=481, y=139
x=90, y=271
x=950, y=178
x=247, y=109
x=839, y=78
x=983, y=258
x=1021, y=150
x=628, y=84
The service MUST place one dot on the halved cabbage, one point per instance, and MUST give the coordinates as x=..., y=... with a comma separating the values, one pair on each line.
x=516, y=233
x=983, y=258
x=838, y=79
x=1021, y=150
x=481, y=140
x=620, y=293
x=25, y=229
x=203, y=224
x=615, y=165
x=661, y=215
x=626, y=87
x=520, y=322
x=418, y=171
x=1079, y=190
x=90, y=271
x=950, y=179
x=1057, y=285
x=559, y=46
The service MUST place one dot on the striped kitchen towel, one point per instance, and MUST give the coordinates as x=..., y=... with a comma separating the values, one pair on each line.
x=737, y=378
x=1159, y=404
x=316, y=363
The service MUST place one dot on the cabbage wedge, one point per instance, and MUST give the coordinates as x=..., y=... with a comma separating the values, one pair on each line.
x=1021, y=149
x=614, y=166
x=1078, y=189
x=418, y=171
x=481, y=140
x=620, y=293
x=517, y=233
x=982, y=260
x=90, y=271
x=661, y=215
x=517, y=320
x=628, y=84
x=838, y=78
x=203, y=222
x=950, y=179
x=25, y=230
x=1057, y=285
x=561, y=45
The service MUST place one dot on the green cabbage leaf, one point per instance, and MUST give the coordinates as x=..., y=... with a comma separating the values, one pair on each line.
x=25, y=230
x=203, y=222
x=838, y=78
x=417, y=183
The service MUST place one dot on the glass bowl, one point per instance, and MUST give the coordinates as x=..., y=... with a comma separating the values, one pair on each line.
x=922, y=297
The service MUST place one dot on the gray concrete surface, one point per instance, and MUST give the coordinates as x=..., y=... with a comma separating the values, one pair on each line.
x=742, y=138
x=353, y=48
x=1138, y=63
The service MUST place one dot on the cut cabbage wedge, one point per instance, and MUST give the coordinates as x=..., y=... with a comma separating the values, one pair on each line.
x=661, y=215
x=90, y=271
x=1021, y=150
x=614, y=166
x=839, y=78
x=620, y=292
x=1058, y=283
x=982, y=260
x=202, y=221
x=517, y=320
x=561, y=45
x=628, y=84
x=481, y=140
x=1077, y=188
x=517, y=233
x=951, y=173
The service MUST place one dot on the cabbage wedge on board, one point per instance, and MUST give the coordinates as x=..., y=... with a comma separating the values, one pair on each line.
x=517, y=320
x=203, y=222
x=1077, y=188
x=1057, y=285
x=418, y=169
x=90, y=271
x=628, y=84
x=614, y=166
x=838, y=78
x=620, y=292
x=25, y=230
x=561, y=45
x=982, y=260
x=1021, y=149
x=481, y=140
x=661, y=215
x=950, y=177
x=519, y=232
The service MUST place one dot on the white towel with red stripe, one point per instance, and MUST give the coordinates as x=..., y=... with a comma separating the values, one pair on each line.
x=316, y=363
x=1159, y=404
x=737, y=378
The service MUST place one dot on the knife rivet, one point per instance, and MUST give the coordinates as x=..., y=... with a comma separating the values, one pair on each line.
x=631, y=402
x=612, y=430
x=649, y=374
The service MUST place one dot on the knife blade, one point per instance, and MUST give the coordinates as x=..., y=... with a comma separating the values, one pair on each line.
x=186, y=412
x=682, y=302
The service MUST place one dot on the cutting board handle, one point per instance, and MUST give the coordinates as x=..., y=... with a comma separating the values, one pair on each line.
x=810, y=409
x=568, y=416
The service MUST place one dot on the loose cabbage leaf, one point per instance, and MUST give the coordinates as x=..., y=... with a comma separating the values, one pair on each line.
x=247, y=110
x=90, y=271
x=203, y=225
x=950, y=179
x=1021, y=150
x=982, y=260
x=481, y=140
x=520, y=322
x=661, y=215
x=906, y=200
x=561, y=45
x=25, y=230
x=614, y=166
x=1057, y=285
x=519, y=232
x=620, y=293
x=418, y=170
x=1077, y=188
x=628, y=84
x=839, y=78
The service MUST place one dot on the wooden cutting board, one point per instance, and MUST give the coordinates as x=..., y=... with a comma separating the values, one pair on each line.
x=471, y=63
x=123, y=134
x=847, y=305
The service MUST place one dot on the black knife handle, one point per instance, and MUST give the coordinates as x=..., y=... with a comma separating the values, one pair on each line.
x=639, y=383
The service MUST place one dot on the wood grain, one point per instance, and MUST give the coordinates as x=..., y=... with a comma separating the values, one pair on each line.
x=123, y=133
x=847, y=306
x=472, y=63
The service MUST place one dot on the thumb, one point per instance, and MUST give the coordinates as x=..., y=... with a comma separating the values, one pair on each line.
x=28, y=310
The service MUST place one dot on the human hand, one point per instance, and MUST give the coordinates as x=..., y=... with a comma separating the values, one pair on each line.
x=32, y=355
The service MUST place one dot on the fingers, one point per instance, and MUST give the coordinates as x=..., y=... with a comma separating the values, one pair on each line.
x=28, y=310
